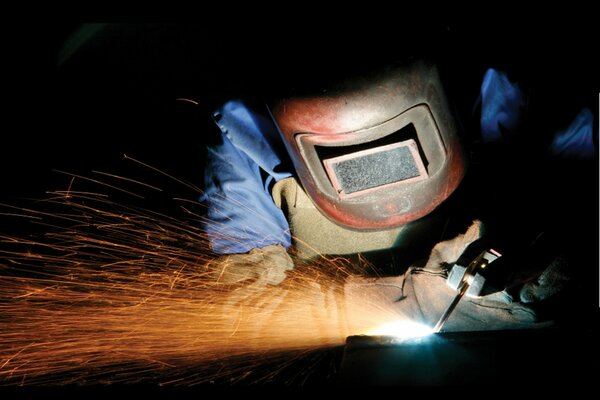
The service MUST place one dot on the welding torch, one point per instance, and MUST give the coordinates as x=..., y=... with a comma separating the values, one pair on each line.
x=469, y=276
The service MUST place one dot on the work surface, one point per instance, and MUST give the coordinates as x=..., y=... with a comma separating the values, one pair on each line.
x=536, y=357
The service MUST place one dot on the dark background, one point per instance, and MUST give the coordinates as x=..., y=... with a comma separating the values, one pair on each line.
x=115, y=89
x=79, y=103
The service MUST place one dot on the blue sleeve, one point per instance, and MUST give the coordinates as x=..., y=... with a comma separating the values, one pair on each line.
x=239, y=173
x=577, y=140
x=502, y=106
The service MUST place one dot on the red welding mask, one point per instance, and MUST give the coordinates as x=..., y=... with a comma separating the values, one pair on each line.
x=374, y=152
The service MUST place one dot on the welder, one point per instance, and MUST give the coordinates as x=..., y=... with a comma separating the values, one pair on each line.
x=364, y=164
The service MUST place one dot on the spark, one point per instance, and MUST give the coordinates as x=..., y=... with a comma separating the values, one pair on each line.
x=187, y=100
x=116, y=293
x=187, y=184
x=97, y=182
x=125, y=179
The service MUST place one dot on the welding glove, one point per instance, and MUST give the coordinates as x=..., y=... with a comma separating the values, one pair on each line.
x=552, y=281
x=422, y=295
x=448, y=252
x=306, y=310
x=267, y=265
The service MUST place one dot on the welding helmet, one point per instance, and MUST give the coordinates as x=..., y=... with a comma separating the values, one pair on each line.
x=375, y=151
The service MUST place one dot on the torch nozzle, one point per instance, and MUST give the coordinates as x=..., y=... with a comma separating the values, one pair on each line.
x=479, y=262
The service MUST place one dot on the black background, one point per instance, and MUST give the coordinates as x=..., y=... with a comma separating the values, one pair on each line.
x=116, y=93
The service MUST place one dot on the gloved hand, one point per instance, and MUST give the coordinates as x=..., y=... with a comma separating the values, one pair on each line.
x=309, y=309
x=305, y=310
x=267, y=265
x=422, y=295
x=448, y=252
x=552, y=281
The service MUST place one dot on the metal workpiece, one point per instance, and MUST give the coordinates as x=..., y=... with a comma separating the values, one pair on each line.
x=468, y=358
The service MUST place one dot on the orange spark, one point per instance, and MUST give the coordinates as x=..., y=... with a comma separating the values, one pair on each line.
x=114, y=293
x=187, y=100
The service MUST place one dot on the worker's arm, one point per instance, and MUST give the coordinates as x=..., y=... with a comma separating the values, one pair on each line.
x=266, y=265
x=240, y=169
x=319, y=304
x=505, y=109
